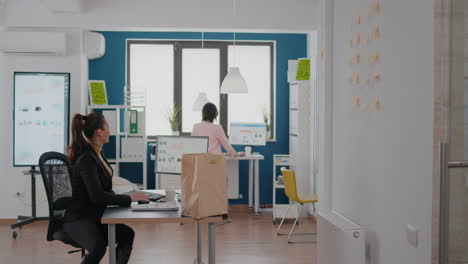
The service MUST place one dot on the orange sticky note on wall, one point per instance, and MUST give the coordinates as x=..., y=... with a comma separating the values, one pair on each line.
x=377, y=77
x=356, y=101
x=374, y=59
x=357, y=39
x=376, y=104
x=356, y=78
x=377, y=7
x=358, y=20
x=376, y=32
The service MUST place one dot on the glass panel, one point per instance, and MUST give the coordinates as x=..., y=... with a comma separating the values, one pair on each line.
x=200, y=73
x=152, y=84
x=254, y=63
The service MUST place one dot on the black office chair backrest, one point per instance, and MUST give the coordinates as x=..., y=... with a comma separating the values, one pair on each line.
x=55, y=170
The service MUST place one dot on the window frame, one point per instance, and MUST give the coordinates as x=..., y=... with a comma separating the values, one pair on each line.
x=222, y=45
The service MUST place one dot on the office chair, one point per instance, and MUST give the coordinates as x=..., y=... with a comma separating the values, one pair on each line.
x=290, y=189
x=55, y=170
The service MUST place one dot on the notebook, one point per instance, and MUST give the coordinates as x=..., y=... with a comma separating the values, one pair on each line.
x=166, y=206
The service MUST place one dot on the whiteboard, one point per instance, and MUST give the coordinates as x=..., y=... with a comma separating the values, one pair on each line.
x=40, y=116
x=253, y=134
x=169, y=151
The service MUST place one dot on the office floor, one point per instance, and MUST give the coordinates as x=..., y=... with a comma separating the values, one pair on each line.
x=247, y=239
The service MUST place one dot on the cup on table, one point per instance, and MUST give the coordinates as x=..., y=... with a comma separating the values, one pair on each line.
x=248, y=151
x=170, y=195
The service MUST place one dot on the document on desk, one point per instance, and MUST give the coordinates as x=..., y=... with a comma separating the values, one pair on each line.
x=155, y=206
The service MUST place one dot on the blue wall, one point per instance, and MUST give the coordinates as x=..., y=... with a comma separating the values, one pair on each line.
x=111, y=68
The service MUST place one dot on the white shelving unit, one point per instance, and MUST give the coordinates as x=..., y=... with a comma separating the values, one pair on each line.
x=299, y=135
x=137, y=142
x=280, y=160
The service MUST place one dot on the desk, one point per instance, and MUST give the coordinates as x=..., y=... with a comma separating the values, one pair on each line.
x=254, y=181
x=122, y=215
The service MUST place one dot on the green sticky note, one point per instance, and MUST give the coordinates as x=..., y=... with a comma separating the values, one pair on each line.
x=97, y=92
x=303, y=69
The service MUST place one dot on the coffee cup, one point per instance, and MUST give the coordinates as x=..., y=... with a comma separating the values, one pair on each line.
x=170, y=195
x=248, y=151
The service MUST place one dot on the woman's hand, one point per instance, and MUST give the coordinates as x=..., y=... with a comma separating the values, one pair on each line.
x=139, y=196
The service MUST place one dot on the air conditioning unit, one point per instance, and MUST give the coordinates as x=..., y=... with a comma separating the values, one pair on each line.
x=33, y=43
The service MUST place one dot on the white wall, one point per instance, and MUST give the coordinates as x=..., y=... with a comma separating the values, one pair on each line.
x=124, y=14
x=12, y=179
x=382, y=160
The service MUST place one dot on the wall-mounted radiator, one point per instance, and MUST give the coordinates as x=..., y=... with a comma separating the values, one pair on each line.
x=339, y=240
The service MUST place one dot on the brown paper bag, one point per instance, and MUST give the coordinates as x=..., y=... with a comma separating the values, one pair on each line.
x=203, y=187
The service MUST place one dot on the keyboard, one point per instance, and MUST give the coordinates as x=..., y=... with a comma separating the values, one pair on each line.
x=153, y=196
x=166, y=206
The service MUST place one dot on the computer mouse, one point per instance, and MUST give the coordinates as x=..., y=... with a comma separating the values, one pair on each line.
x=143, y=202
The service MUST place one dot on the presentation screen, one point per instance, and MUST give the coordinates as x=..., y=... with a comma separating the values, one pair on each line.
x=169, y=151
x=40, y=116
x=253, y=134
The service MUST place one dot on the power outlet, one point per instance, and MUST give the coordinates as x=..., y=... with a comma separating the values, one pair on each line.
x=241, y=196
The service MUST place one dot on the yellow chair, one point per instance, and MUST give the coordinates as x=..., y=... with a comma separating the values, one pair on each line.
x=290, y=188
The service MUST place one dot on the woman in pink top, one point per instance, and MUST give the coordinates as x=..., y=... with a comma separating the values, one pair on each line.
x=216, y=135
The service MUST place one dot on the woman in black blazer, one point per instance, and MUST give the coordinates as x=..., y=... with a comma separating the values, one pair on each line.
x=92, y=191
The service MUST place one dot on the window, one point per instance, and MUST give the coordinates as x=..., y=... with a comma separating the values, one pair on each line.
x=254, y=63
x=171, y=73
x=200, y=73
x=151, y=68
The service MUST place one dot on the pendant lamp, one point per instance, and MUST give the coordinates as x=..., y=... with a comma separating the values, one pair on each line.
x=201, y=100
x=234, y=82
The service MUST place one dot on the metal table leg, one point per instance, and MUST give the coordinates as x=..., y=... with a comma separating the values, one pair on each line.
x=257, y=189
x=111, y=237
x=211, y=243
x=250, y=185
x=198, y=241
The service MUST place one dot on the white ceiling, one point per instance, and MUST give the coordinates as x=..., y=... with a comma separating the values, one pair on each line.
x=282, y=15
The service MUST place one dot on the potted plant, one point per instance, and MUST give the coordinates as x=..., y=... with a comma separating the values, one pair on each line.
x=173, y=118
x=266, y=118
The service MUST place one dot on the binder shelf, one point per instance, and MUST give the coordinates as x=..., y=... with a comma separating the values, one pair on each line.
x=131, y=143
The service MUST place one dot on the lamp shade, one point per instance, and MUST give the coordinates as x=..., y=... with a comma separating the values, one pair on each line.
x=234, y=82
x=201, y=100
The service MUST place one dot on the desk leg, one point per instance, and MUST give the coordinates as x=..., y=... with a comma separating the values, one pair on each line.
x=250, y=185
x=111, y=237
x=257, y=189
x=198, y=260
x=211, y=243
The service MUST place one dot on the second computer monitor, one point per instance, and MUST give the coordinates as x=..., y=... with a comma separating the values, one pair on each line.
x=252, y=134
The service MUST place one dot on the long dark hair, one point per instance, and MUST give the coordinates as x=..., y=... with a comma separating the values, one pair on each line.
x=209, y=112
x=83, y=125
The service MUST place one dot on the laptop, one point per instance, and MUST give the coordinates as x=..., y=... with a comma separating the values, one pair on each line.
x=166, y=206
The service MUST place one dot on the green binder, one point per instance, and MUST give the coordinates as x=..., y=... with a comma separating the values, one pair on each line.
x=133, y=122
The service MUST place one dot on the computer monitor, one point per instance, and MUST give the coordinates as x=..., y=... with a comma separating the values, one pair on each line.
x=169, y=151
x=252, y=134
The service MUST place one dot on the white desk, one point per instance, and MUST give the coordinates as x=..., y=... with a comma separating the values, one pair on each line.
x=254, y=178
x=122, y=215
